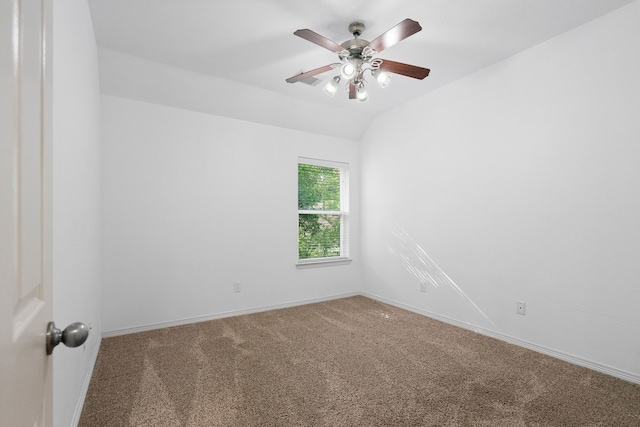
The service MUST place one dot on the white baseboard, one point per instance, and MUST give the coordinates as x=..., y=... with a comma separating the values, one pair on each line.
x=618, y=373
x=221, y=315
x=85, y=386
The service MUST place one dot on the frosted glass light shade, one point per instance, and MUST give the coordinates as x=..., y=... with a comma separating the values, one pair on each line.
x=348, y=71
x=361, y=94
x=332, y=86
x=382, y=78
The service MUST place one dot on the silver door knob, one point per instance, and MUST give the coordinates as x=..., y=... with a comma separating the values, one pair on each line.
x=73, y=335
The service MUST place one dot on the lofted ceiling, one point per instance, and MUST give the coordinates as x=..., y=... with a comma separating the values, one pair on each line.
x=251, y=42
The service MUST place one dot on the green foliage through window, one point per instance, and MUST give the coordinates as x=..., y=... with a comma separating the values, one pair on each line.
x=319, y=235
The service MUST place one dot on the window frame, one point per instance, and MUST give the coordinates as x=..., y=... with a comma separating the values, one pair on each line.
x=344, y=257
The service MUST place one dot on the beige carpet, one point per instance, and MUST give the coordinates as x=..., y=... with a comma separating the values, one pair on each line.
x=348, y=362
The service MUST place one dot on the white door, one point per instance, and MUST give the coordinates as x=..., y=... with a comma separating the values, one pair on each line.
x=25, y=213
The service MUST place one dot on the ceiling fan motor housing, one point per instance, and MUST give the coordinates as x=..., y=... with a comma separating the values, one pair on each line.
x=356, y=45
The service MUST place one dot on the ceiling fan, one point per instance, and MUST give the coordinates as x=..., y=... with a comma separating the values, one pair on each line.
x=357, y=56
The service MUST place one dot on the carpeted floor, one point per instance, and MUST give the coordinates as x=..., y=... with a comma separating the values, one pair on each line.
x=348, y=362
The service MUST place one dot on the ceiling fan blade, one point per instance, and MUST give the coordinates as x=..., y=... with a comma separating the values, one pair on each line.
x=316, y=38
x=307, y=74
x=406, y=28
x=404, y=69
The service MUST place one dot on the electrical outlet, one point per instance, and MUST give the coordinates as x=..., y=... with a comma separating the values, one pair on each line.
x=236, y=286
x=423, y=286
x=520, y=306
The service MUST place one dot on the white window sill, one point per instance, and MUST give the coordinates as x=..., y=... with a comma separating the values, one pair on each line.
x=322, y=262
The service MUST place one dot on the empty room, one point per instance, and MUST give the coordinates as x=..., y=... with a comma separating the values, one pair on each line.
x=465, y=250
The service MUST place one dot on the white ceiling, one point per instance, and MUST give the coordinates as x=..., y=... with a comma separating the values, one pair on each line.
x=251, y=42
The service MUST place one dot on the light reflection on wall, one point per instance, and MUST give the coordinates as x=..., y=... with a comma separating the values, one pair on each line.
x=422, y=267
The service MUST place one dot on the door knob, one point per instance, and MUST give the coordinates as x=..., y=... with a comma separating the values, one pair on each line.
x=73, y=335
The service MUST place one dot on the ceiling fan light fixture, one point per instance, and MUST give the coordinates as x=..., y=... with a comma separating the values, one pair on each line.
x=362, y=95
x=348, y=70
x=382, y=78
x=332, y=86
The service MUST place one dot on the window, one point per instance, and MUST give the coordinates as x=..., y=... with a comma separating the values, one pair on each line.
x=323, y=211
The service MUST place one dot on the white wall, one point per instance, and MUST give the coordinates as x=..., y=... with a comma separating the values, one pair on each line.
x=136, y=78
x=76, y=201
x=194, y=202
x=519, y=183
